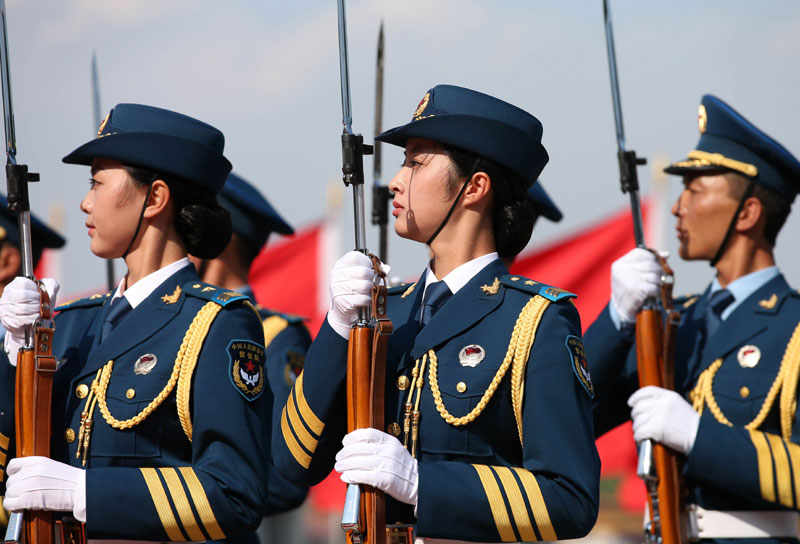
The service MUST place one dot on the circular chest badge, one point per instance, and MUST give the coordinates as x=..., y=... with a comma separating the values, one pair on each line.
x=748, y=356
x=471, y=355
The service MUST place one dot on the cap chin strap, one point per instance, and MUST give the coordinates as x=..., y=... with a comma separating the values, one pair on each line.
x=748, y=192
x=141, y=217
x=453, y=206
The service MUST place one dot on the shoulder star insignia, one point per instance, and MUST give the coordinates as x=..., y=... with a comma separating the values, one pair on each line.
x=173, y=298
x=769, y=303
x=491, y=289
x=408, y=291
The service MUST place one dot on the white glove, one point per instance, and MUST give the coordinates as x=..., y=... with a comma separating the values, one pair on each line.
x=39, y=483
x=664, y=416
x=372, y=457
x=19, y=306
x=634, y=277
x=351, y=284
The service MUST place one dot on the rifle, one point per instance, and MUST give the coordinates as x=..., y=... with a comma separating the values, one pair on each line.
x=364, y=513
x=35, y=361
x=380, y=193
x=658, y=465
x=110, y=283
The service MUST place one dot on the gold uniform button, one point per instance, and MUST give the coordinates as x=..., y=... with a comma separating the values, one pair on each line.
x=69, y=436
x=403, y=382
x=394, y=429
x=461, y=387
x=130, y=393
x=744, y=392
x=81, y=391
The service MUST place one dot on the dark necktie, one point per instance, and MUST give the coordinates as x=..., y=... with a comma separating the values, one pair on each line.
x=116, y=313
x=716, y=305
x=436, y=295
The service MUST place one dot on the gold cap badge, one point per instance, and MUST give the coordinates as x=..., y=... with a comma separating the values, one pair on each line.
x=103, y=125
x=702, y=118
x=422, y=105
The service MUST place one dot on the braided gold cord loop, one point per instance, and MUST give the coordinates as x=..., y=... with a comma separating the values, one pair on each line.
x=522, y=334
x=187, y=361
x=785, y=383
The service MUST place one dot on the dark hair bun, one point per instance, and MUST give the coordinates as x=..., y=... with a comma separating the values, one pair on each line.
x=513, y=224
x=204, y=228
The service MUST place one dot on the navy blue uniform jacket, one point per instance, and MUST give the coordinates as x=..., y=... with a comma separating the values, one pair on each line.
x=731, y=466
x=477, y=481
x=149, y=481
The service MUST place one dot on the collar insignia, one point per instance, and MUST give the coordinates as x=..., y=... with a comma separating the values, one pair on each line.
x=408, y=291
x=173, y=298
x=491, y=289
x=769, y=303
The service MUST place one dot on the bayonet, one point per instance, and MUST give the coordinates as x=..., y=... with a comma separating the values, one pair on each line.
x=381, y=195
x=110, y=283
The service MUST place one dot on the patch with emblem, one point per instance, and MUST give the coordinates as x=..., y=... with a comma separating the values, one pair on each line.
x=294, y=365
x=246, y=369
x=748, y=356
x=145, y=364
x=471, y=355
x=577, y=355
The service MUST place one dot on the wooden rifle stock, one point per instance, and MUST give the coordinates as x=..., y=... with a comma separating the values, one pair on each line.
x=34, y=387
x=654, y=354
x=366, y=381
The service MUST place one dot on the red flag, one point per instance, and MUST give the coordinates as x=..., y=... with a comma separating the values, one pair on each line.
x=581, y=264
x=286, y=275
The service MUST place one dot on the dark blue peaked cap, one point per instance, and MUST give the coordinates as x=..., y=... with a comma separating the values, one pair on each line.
x=252, y=216
x=42, y=235
x=729, y=142
x=479, y=124
x=161, y=140
x=543, y=204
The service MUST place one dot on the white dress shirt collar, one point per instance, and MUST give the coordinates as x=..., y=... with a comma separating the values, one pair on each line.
x=145, y=286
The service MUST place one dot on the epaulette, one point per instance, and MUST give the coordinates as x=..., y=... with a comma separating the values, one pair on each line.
x=292, y=319
x=526, y=285
x=94, y=300
x=206, y=291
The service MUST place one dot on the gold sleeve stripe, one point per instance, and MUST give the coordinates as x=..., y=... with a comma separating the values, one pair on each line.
x=273, y=325
x=309, y=417
x=291, y=442
x=181, y=502
x=764, y=465
x=3, y=457
x=4, y=441
x=794, y=455
x=201, y=504
x=499, y=511
x=3, y=514
x=161, y=503
x=518, y=508
x=308, y=441
x=538, y=506
x=783, y=476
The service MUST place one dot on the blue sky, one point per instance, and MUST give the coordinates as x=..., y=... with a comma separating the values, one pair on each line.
x=266, y=73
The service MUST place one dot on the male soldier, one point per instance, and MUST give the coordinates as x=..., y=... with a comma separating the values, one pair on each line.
x=286, y=337
x=10, y=267
x=738, y=352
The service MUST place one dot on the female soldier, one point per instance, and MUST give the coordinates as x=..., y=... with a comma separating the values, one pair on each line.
x=161, y=395
x=490, y=365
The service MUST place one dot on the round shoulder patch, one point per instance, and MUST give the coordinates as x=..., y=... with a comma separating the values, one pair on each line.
x=580, y=367
x=246, y=368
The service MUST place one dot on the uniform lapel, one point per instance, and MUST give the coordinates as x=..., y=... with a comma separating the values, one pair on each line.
x=747, y=320
x=141, y=323
x=465, y=308
x=404, y=313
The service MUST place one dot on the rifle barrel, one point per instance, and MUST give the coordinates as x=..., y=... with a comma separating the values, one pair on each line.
x=612, y=71
x=344, y=69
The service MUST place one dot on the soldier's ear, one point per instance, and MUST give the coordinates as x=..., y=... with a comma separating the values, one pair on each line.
x=160, y=198
x=478, y=189
x=751, y=215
